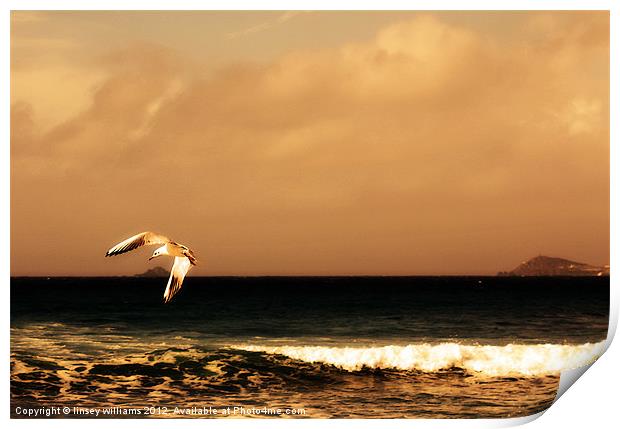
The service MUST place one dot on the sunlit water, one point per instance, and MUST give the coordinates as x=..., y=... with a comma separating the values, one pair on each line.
x=348, y=347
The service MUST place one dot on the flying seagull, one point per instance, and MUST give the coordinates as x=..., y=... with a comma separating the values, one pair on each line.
x=183, y=257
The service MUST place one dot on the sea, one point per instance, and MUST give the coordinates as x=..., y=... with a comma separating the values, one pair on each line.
x=299, y=347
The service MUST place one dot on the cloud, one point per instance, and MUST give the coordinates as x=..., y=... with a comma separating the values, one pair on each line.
x=430, y=148
x=266, y=25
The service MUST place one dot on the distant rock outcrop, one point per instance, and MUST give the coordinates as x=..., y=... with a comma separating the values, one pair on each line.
x=154, y=272
x=548, y=266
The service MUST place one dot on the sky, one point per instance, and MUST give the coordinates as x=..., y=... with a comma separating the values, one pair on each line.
x=309, y=143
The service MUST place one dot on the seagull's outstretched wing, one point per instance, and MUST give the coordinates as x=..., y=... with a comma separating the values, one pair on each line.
x=142, y=239
x=177, y=274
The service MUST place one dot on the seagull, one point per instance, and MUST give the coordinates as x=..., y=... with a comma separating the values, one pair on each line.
x=183, y=257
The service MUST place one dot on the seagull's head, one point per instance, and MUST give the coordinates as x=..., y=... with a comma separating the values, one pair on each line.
x=155, y=254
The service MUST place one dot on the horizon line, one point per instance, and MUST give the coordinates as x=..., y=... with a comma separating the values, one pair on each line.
x=499, y=274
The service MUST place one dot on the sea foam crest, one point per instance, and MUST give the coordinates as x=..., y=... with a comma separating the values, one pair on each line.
x=518, y=359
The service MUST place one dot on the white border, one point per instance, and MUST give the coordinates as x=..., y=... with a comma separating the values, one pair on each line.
x=313, y=5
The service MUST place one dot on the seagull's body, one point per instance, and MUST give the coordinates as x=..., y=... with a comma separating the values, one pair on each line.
x=183, y=257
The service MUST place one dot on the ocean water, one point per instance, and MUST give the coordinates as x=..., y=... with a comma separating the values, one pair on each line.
x=300, y=347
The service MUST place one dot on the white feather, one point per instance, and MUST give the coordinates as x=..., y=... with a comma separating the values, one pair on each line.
x=180, y=268
x=143, y=239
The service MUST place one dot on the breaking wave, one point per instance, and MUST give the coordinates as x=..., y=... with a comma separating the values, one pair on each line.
x=512, y=359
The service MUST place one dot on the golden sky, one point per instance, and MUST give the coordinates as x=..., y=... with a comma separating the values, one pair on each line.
x=278, y=143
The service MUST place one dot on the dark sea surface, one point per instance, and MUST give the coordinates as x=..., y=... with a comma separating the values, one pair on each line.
x=343, y=347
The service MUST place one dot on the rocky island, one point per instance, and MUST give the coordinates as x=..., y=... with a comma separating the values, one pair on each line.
x=550, y=266
x=154, y=272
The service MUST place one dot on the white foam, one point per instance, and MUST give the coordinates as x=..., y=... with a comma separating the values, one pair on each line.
x=512, y=359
